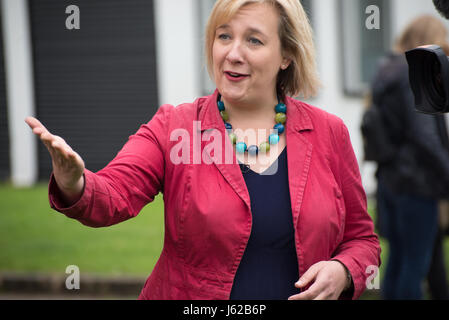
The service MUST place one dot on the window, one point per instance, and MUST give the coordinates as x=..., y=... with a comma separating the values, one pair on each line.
x=362, y=47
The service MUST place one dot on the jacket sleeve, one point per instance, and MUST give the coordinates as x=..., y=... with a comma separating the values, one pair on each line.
x=359, y=249
x=129, y=182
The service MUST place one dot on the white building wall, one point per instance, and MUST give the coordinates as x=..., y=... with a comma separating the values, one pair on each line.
x=178, y=47
x=19, y=90
x=406, y=10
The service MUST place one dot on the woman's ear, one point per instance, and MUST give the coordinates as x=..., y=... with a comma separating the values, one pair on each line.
x=285, y=63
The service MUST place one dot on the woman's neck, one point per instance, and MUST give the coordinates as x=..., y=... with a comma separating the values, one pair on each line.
x=262, y=110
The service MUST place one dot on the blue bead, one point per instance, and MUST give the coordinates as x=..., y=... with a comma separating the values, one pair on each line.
x=280, y=128
x=253, y=150
x=228, y=126
x=221, y=106
x=273, y=139
x=241, y=147
x=281, y=108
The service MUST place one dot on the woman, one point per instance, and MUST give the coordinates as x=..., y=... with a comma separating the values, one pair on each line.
x=412, y=181
x=232, y=234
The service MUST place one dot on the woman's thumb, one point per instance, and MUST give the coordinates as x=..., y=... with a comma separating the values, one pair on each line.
x=307, y=277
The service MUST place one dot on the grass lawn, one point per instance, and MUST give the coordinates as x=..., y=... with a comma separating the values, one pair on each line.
x=35, y=238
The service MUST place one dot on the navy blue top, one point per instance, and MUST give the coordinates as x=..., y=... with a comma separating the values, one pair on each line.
x=269, y=267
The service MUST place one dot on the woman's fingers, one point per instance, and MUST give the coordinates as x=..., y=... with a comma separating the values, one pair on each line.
x=39, y=130
x=35, y=124
x=61, y=147
x=308, y=276
x=68, y=166
x=50, y=142
x=56, y=145
x=328, y=280
x=311, y=293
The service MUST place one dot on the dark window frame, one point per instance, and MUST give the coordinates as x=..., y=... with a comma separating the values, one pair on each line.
x=5, y=161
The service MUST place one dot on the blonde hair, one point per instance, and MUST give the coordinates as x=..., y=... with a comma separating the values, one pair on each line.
x=423, y=30
x=295, y=34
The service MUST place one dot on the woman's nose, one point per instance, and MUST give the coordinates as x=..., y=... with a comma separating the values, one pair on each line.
x=235, y=53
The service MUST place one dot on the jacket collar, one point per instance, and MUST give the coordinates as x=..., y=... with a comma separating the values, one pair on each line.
x=298, y=118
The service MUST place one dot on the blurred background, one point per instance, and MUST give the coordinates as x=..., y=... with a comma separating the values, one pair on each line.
x=96, y=85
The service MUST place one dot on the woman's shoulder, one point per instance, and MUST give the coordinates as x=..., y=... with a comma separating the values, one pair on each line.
x=170, y=117
x=184, y=112
x=315, y=115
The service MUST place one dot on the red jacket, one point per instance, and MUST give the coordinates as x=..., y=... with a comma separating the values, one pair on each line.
x=207, y=206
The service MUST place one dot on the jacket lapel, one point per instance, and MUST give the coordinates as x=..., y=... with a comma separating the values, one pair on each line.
x=299, y=154
x=228, y=166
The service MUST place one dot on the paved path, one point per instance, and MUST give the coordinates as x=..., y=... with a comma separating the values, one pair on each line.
x=60, y=297
x=53, y=287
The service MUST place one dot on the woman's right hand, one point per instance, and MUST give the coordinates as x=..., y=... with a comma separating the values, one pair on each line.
x=68, y=166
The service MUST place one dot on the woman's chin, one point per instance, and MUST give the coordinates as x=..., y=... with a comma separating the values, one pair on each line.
x=233, y=96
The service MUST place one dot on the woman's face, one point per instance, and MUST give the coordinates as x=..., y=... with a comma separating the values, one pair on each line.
x=247, y=55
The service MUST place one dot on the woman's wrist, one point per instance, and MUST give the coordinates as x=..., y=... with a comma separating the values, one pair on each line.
x=71, y=195
x=348, y=276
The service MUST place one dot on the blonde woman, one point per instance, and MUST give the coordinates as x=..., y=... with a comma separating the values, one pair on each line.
x=263, y=197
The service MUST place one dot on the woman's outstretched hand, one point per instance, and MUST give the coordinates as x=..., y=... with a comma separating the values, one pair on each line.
x=68, y=166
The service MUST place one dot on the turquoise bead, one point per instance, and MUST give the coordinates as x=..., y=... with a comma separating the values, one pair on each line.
x=281, y=108
x=273, y=139
x=241, y=147
x=280, y=128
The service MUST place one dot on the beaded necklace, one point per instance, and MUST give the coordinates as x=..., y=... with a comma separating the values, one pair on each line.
x=273, y=139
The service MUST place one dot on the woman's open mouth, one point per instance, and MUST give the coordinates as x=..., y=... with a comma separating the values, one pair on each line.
x=233, y=76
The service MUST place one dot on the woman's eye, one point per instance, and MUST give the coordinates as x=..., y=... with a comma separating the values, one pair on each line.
x=224, y=36
x=255, y=41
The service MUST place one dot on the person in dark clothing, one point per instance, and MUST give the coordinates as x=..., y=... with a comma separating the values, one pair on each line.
x=417, y=176
x=436, y=277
